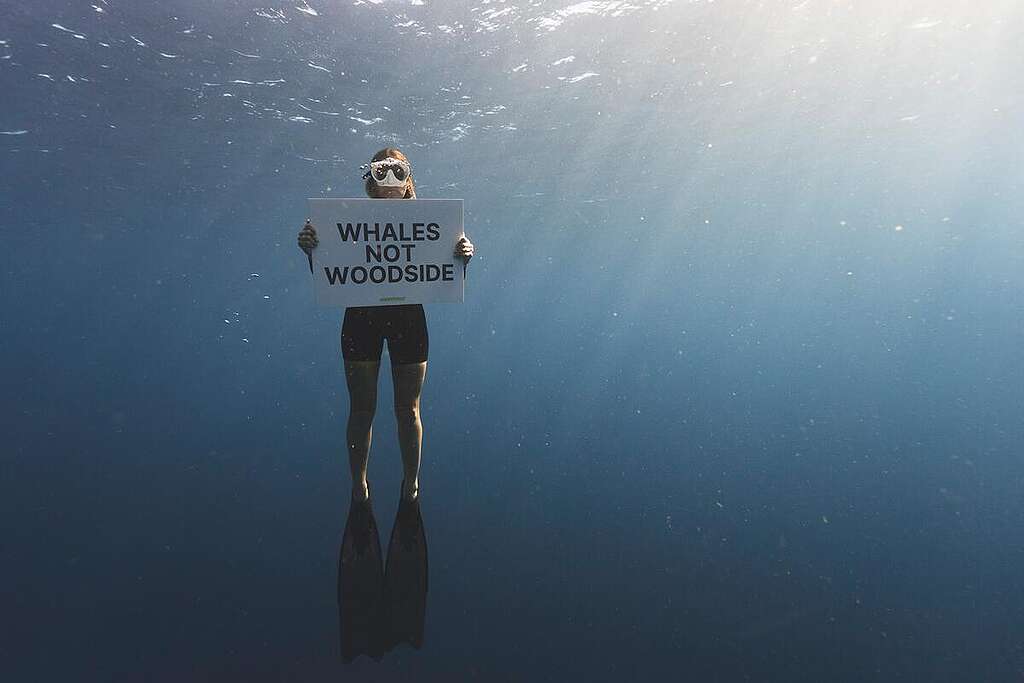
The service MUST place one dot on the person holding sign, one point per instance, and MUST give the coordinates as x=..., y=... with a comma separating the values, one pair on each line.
x=362, y=339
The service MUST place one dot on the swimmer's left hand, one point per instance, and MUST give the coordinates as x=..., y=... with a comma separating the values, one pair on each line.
x=464, y=248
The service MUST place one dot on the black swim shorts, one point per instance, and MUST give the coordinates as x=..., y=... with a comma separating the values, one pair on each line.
x=366, y=327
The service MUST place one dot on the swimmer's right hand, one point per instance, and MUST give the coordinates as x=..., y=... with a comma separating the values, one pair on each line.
x=308, y=239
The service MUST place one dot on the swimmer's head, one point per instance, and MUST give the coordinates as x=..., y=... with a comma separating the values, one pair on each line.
x=405, y=191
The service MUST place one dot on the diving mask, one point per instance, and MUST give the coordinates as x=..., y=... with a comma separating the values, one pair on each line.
x=388, y=172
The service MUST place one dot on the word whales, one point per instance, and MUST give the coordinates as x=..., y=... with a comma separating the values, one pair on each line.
x=365, y=232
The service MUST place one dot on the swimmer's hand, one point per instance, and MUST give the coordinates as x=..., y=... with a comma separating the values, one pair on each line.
x=308, y=239
x=464, y=249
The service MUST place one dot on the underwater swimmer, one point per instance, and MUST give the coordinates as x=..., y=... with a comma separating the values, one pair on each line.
x=362, y=339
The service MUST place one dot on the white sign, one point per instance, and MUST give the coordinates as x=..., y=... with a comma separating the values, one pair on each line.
x=385, y=252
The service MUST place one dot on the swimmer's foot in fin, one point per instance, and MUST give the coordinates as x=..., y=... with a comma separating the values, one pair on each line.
x=361, y=586
x=411, y=491
x=405, y=575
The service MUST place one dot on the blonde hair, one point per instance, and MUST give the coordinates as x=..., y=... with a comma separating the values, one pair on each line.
x=395, y=153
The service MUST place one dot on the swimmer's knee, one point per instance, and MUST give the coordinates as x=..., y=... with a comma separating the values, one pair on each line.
x=362, y=413
x=407, y=412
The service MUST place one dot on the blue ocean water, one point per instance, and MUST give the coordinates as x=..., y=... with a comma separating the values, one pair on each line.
x=734, y=394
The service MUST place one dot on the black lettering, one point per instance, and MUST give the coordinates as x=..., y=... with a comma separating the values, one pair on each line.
x=434, y=234
x=392, y=253
x=348, y=233
x=335, y=274
x=448, y=272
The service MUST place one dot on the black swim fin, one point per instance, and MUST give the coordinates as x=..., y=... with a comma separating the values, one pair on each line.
x=361, y=586
x=405, y=577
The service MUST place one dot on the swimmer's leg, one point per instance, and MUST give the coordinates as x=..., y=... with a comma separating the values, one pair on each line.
x=408, y=379
x=361, y=377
